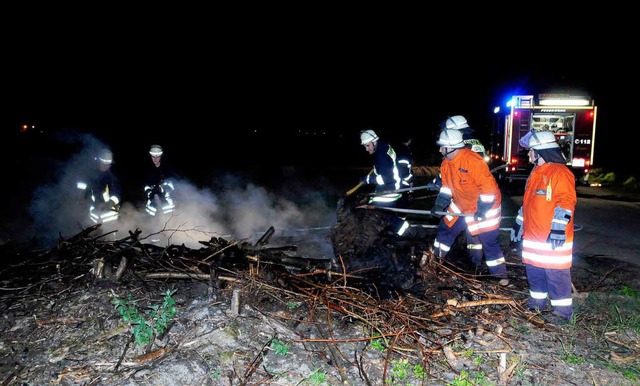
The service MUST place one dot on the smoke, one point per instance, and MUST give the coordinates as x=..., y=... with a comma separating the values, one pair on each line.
x=231, y=207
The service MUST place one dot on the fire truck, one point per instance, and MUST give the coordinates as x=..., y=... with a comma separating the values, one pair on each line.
x=571, y=118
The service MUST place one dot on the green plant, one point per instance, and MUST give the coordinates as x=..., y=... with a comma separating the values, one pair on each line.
x=632, y=374
x=521, y=328
x=318, y=377
x=292, y=306
x=145, y=325
x=631, y=184
x=400, y=368
x=378, y=344
x=627, y=318
x=279, y=347
x=467, y=353
x=569, y=355
x=626, y=291
x=418, y=371
x=463, y=379
x=480, y=379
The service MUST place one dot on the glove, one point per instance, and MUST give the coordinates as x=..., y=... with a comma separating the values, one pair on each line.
x=516, y=233
x=442, y=202
x=556, y=238
x=558, y=235
x=435, y=184
x=481, y=212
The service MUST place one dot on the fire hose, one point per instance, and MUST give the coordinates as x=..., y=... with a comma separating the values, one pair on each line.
x=576, y=227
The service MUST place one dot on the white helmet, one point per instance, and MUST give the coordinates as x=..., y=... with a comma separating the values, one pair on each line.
x=540, y=140
x=367, y=136
x=451, y=138
x=156, y=150
x=456, y=122
x=105, y=157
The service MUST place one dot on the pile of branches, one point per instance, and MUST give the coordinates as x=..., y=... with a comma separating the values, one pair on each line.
x=442, y=306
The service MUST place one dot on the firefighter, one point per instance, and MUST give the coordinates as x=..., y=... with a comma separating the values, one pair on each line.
x=159, y=185
x=102, y=190
x=468, y=188
x=459, y=123
x=384, y=175
x=545, y=226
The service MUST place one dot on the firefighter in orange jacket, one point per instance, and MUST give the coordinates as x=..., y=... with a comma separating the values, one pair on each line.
x=468, y=188
x=545, y=226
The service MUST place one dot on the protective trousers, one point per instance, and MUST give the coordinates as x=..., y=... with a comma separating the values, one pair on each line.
x=489, y=245
x=399, y=225
x=552, y=283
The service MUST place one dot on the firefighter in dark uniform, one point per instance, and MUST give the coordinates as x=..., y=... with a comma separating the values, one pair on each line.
x=384, y=175
x=158, y=185
x=102, y=191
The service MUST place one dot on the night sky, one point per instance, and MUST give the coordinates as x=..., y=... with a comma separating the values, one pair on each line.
x=287, y=103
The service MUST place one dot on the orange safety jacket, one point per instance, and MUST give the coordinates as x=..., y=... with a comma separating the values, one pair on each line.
x=467, y=178
x=549, y=186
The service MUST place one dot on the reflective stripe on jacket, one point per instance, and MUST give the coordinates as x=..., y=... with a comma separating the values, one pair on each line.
x=549, y=186
x=468, y=178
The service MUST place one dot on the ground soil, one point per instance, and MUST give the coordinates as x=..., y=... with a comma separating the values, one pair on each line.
x=383, y=311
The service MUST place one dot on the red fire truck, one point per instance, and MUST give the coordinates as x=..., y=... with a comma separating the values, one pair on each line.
x=571, y=118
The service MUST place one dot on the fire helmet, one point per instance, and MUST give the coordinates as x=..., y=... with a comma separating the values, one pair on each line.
x=367, y=136
x=156, y=150
x=106, y=157
x=456, y=122
x=451, y=138
x=540, y=140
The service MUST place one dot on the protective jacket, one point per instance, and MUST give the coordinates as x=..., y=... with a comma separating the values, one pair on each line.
x=404, y=159
x=103, y=192
x=549, y=198
x=385, y=174
x=468, y=181
x=159, y=185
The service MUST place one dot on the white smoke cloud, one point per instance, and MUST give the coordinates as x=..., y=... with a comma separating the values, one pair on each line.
x=232, y=207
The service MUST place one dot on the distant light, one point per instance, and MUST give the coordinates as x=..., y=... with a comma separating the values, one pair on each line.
x=496, y=109
x=564, y=102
